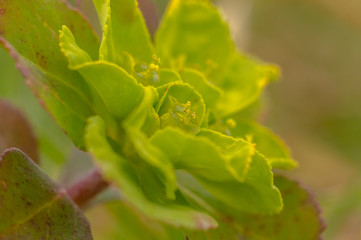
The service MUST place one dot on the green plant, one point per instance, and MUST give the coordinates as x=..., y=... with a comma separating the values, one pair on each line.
x=170, y=124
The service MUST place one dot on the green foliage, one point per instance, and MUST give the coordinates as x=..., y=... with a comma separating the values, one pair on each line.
x=156, y=117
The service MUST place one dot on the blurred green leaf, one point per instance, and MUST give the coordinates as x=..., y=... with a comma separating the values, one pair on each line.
x=242, y=80
x=167, y=76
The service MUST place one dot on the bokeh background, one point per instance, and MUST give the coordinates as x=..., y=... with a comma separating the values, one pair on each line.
x=316, y=108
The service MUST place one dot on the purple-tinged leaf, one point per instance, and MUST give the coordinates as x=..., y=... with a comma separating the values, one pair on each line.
x=87, y=8
x=15, y=131
x=300, y=218
x=32, y=206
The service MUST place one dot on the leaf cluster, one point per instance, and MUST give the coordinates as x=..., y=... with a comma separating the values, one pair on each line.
x=166, y=121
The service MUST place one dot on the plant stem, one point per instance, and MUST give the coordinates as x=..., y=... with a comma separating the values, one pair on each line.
x=86, y=188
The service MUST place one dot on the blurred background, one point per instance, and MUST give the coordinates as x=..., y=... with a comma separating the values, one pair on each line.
x=316, y=108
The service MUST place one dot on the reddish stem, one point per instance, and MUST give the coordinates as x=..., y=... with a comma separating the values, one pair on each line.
x=87, y=187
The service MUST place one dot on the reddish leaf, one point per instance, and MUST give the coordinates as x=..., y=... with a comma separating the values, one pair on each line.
x=15, y=131
x=300, y=218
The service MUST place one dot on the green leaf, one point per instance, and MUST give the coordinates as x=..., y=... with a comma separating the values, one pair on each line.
x=74, y=54
x=209, y=92
x=267, y=143
x=242, y=79
x=256, y=195
x=252, y=112
x=15, y=131
x=30, y=28
x=262, y=196
x=32, y=206
x=112, y=88
x=193, y=34
x=232, y=172
x=72, y=121
x=55, y=96
x=237, y=153
x=116, y=168
x=144, y=120
x=124, y=31
x=206, y=161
